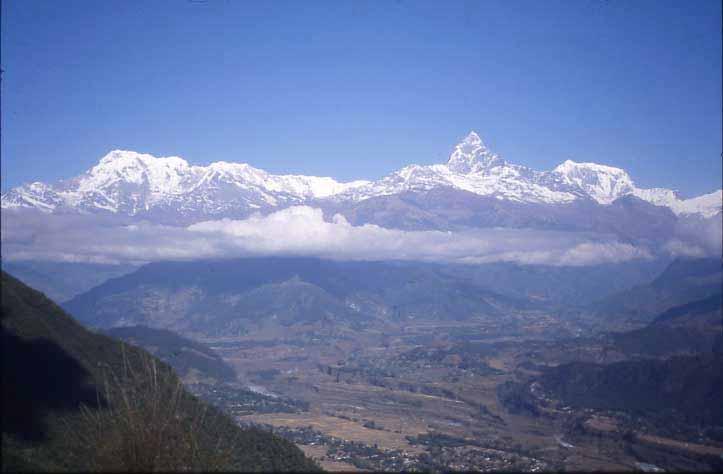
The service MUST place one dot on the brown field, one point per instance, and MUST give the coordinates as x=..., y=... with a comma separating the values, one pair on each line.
x=347, y=382
x=692, y=447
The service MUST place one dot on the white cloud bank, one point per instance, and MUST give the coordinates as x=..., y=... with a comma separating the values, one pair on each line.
x=303, y=231
x=295, y=231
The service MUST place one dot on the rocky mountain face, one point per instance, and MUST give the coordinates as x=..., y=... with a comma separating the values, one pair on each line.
x=170, y=190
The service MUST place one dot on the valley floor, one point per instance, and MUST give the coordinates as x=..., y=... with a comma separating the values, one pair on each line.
x=425, y=396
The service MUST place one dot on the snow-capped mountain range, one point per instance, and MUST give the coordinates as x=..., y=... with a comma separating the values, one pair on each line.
x=135, y=184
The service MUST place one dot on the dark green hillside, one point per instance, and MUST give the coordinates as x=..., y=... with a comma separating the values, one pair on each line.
x=709, y=308
x=75, y=400
x=192, y=361
x=687, y=386
x=694, y=328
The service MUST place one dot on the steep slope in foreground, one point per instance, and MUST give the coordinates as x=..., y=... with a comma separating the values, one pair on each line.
x=62, y=387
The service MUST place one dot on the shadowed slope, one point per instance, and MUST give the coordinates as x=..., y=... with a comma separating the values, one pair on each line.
x=57, y=383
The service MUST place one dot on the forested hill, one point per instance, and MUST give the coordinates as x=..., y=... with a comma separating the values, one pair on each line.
x=75, y=400
x=192, y=360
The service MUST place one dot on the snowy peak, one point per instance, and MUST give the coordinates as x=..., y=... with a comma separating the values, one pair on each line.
x=602, y=183
x=36, y=195
x=121, y=161
x=173, y=175
x=707, y=205
x=472, y=139
x=471, y=155
x=132, y=183
x=605, y=184
x=120, y=158
x=160, y=175
x=570, y=167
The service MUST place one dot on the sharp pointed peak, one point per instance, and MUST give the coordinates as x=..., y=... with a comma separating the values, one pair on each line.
x=472, y=138
x=471, y=154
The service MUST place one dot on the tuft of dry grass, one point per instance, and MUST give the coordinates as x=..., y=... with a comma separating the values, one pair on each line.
x=150, y=424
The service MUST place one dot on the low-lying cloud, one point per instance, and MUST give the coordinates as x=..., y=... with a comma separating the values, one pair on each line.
x=296, y=231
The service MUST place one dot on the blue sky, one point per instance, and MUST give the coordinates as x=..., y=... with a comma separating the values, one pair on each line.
x=359, y=89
